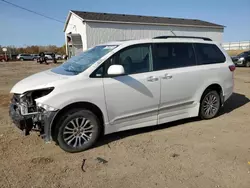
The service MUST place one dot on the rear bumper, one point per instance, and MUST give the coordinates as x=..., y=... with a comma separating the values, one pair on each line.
x=228, y=91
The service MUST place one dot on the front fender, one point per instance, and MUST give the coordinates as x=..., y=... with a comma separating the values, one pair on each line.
x=91, y=92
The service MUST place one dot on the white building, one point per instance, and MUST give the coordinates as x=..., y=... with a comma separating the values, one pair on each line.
x=86, y=29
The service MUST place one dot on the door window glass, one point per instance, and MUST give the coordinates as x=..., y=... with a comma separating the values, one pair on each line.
x=134, y=59
x=173, y=55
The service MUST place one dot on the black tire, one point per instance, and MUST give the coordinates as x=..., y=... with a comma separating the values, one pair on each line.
x=21, y=59
x=204, y=112
x=65, y=121
x=248, y=64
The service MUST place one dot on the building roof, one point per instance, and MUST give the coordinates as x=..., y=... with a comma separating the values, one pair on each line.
x=137, y=19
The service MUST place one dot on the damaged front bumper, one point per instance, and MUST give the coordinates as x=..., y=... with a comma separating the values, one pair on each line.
x=40, y=120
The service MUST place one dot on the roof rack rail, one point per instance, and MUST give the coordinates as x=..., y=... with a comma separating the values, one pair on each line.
x=166, y=37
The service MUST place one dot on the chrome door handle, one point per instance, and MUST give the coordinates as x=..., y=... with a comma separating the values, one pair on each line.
x=152, y=79
x=167, y=76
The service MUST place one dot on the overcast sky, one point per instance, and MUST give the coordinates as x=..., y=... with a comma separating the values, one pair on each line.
x=20, y=28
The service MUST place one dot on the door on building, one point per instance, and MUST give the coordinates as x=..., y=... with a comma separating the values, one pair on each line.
x=74, y=44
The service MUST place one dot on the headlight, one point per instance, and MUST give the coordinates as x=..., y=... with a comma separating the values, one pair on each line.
x=242, y=59
x=45, y=107
x=41, y=92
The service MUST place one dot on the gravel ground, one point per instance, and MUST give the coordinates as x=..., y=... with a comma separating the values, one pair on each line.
x=187, y=153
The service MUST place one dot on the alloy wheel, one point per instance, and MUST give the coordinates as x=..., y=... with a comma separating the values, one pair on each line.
x=211, y=105
x=78, y=132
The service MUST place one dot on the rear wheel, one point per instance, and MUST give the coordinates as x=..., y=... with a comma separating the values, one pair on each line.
x=78, y=130
x=210, y=104
x=248, y=64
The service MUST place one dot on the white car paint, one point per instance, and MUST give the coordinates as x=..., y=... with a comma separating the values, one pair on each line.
x=133, y=101
x=37, y=81
x=116, y=70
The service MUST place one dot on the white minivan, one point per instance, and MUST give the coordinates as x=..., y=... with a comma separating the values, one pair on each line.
x=124, y=85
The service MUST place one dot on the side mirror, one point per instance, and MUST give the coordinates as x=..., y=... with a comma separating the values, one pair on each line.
x=116, y=70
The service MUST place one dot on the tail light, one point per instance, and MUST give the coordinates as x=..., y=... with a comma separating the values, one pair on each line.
x=232, y=68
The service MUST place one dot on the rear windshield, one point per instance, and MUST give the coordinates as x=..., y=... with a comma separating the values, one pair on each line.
x=84, y=60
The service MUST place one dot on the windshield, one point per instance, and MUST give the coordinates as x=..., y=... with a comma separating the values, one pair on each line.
x=84, y=60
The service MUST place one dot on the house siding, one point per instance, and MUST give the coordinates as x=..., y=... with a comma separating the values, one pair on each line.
x=98, y=33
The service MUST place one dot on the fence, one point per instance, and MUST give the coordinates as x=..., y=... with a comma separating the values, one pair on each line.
x=242, y=45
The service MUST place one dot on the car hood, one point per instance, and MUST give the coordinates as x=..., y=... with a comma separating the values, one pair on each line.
x=38, y=81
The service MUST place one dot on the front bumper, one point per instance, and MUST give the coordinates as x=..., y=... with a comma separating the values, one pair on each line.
x=38, y=121
x=22, y=122
x=239, y=63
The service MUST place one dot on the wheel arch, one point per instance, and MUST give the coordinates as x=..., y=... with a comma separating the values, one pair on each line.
x=86, y=105
x=217, y=87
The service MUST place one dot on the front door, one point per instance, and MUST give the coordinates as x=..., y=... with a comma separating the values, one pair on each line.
x=175, y=64
x=132, y=100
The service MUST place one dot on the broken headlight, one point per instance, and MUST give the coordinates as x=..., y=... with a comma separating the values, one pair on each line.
x=45, y=107
x=41, y=92
x=27, y=102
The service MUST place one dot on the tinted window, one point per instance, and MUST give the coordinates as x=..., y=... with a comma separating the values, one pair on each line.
x=134, y=59
x=99, y=72
x=173, y=55
x=209, y=54
x=244, y=54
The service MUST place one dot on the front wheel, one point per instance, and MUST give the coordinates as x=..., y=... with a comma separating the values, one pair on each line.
x=248, y=64
x=210, y=105
x=78, y=130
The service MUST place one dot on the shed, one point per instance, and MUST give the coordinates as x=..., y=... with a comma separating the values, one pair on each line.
x=87, y=29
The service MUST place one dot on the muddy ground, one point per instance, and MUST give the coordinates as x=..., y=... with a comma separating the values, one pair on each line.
x=187, y=153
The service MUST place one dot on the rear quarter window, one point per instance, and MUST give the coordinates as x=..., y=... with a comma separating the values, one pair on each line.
x=208, y=54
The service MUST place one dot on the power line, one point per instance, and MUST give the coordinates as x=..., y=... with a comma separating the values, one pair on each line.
x=34, y=12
